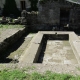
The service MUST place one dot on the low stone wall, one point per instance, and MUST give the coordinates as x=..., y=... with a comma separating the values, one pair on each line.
x=75, y=44
x=41, y=27
x=6, y=43
x=32, y=18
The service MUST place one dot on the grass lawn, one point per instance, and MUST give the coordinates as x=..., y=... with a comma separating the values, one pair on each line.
x=0, y=18
x=10, y=26
x=23, y=75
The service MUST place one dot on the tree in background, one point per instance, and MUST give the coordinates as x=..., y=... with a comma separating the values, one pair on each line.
x=34, y=5
x=10, y=8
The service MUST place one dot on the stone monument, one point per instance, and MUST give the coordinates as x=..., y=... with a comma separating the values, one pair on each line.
x=24, y=17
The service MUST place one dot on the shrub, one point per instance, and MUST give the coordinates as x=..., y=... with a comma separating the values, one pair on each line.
x=10, y=8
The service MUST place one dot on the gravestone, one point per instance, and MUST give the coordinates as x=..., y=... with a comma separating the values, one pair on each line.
x=24, y=17
x=24, y=13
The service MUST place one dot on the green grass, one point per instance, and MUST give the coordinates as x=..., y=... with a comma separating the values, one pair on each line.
x=78, y=68
x=0, y=18
x=22, y=75
x=10, y=26
x=12, y=75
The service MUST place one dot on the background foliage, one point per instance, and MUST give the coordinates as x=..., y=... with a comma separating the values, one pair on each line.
x=10, y=8
x=34, y=5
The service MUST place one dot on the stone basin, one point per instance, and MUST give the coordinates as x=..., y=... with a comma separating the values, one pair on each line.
x=54, y=47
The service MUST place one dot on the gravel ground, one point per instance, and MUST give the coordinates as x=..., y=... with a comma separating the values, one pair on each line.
x=41, y=68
